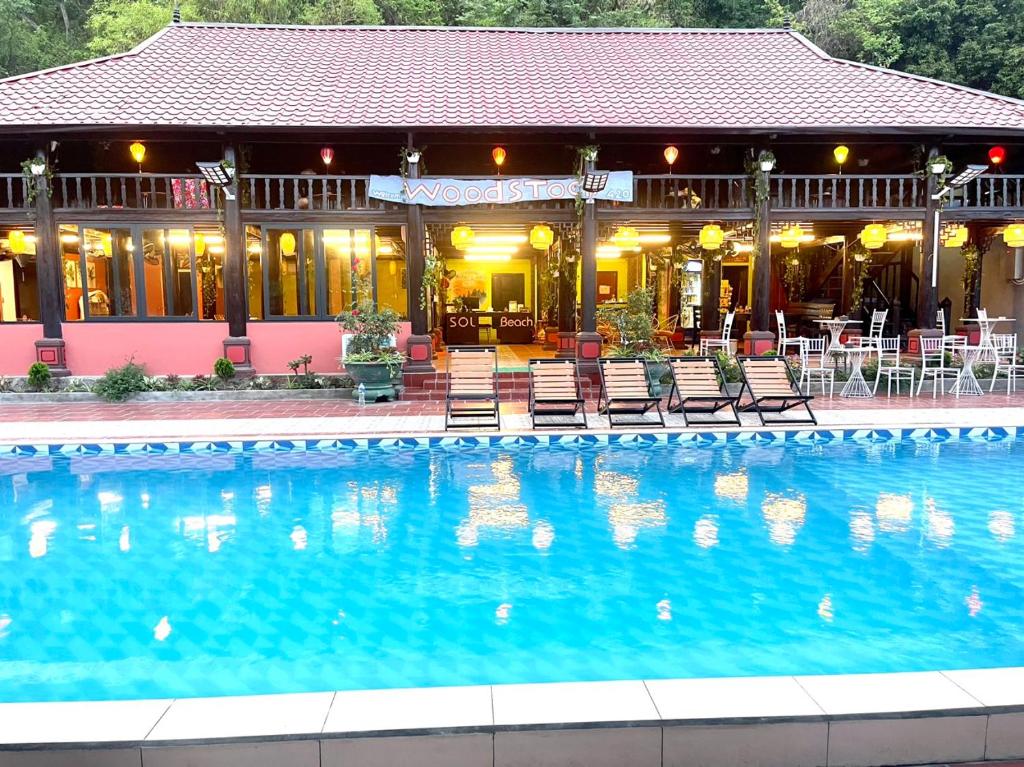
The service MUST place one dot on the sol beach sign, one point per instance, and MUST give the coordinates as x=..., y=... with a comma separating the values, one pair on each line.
x=450, y=192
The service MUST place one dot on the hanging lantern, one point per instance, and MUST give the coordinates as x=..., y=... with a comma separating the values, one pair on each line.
x=954, y=235
x=626, y=238
x=671, y=155
x=791, y=237
x=462, y=237
x=873, y=236
x=1013, y=236
x=996, y=155
x=138, y=151
x=498, y=154
x=287, y=243
x=327, y=155
x=711, y=237
x=541, y=237
x=200, y=240
x=841, y=153
x=16, y=241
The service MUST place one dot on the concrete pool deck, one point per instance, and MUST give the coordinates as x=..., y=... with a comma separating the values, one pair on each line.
x=812, y=721
x=804, y=721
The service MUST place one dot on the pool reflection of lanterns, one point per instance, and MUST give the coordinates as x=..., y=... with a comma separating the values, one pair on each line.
x=734, y=487
x=894, y=512
x=705, y=532
x=1001, y=525
x=784, y=515
x=939, y=525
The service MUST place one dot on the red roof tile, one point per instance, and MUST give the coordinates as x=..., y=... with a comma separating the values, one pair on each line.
x=222, y=75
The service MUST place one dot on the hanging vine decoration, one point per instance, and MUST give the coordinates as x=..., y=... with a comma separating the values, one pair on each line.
x=31, y=182
x=862, y=260
x=972, y=258
x=762, y=190
x=584, y=155
x=793, y=276
x=435, y=272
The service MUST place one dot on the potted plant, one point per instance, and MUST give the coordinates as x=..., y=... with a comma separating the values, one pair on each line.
x=371, y=360
x=633, y=322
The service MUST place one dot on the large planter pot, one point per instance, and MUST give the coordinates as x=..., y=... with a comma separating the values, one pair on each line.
x=375, y=378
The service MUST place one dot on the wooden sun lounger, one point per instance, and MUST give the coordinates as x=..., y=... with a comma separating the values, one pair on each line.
x=626, y=391
x=555, y=391
x=472, y=394
x=698, y=386
x=773, y=389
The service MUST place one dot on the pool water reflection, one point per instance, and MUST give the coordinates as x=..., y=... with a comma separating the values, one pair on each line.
x=180, y=575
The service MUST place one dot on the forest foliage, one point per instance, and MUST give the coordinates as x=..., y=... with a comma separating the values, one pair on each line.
x=979, y=43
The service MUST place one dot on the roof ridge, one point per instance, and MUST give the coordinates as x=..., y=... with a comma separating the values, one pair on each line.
x=89, y=62
x=908, y=75
x=444, y=28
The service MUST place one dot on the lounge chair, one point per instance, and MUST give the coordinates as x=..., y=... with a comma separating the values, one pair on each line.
x=555, y=391
x=626, y=391
x=472, y=394
x=773, y=389
x=698, y=385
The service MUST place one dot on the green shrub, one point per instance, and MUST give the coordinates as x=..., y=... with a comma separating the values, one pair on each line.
x=203, y=383
x=118, y=384
x=39, y=376
x=224, y=369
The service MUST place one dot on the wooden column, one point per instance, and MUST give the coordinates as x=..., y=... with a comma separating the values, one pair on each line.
x=928, y=302
x=420, y=346
x=710, y=294
x=759, y=338
x=50, y=274
x=566, y=345
x=588, y=341
x=237, y=347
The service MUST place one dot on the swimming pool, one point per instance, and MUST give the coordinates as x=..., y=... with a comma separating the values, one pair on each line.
x=135, y=576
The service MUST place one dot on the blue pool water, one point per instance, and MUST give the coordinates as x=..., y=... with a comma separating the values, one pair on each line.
x=182, y=575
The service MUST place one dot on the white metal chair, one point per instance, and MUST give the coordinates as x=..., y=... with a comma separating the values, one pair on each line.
x=953, y=342
x=785, y=340
x=812, y=366
x=724, y=340
x=889, y=366
x=875, y=329
x=933, y=365
x=1005, y=345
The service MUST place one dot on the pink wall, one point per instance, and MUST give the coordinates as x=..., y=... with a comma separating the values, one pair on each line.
x=17, y=346
x=275, y=343
x=185, y=348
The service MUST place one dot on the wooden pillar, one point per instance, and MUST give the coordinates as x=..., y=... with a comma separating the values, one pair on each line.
x=588, y=341
x=566, y=345
x=760, y=338
x=420, y=346
x=50, y=349
x=928, y=301
x=710, y=294
x=237, y=347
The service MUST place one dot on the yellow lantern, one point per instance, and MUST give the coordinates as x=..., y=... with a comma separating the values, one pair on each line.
x=954, y=236
x=200, y=244
x=462, y=237
x=541, y=237
x=791, y=237
x=873, y=236
x=841, y=153
x=16, y=241
x=711, y=237
x=1013, y=236
x=626, y=238
x=138, y=151
x=671, y=155
x=287, y=243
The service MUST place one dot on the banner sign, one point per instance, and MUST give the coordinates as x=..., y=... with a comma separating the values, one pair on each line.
x=449, y=192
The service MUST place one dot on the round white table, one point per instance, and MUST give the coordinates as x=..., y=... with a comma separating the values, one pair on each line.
x=856, y=386
x=966, y=382
x=835, y=328
x=986, y=327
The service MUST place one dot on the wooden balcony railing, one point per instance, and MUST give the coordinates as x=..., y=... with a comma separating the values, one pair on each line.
x=672, y=192
x=13, y=191
x=845, y=192
x=989, y=191
x=301, y=192
x=134, y=191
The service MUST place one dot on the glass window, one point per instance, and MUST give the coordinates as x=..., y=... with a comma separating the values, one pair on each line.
x=254, y=270
x=338, y=247
x=19, y=287
x=392, y=286
x=289, y=267
x=71, y=263
x=99, y=272
x=167, y=256
x=209, y=245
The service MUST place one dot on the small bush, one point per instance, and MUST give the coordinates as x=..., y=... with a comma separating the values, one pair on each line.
x=39, y=376
x=118, y=384
x=203, y=383
x=224, y=369
x=259, y=383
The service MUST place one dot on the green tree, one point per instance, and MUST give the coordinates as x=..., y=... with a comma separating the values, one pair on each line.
x=115, y=26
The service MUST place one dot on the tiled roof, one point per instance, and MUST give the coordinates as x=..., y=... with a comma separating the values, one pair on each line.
x=223, y=75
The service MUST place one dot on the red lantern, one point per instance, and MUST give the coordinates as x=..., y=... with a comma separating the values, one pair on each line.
x=996, y=155
x=327, y=154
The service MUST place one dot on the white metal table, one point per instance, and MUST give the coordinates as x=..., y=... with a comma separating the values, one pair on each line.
x=835, y=327
x=966, y=382
x=986, y=327
x=856, y=386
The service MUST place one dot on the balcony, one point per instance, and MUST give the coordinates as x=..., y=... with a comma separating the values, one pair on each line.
x=134, y=191
x=848, y=193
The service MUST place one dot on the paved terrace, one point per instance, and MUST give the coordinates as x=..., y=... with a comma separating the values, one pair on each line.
x=338, y=418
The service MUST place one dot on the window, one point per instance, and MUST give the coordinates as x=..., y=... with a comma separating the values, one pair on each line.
x=142, y=272
x=314, y=272
x=19, y=286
